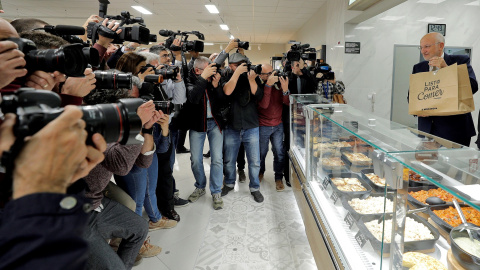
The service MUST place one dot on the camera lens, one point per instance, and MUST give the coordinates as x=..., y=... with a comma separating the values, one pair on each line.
x=113, y=80
x=91, y=56
x=166, y=106
x=168, y=72
x=69, y=60
x=117, y=122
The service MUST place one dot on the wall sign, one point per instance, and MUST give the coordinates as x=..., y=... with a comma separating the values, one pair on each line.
x=438, y=28
x=352, y=47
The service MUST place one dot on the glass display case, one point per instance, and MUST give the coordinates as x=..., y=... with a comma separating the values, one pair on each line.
x=365, y=181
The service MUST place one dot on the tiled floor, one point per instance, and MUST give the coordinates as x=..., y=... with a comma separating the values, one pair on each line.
x=243, y=235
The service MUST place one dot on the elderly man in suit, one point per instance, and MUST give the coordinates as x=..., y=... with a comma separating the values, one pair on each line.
x=456, y=128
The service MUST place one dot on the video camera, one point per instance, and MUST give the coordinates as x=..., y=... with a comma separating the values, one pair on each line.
x=195, y=45
x=113, y=79
x=304, y=52
x=116, y=122
x=326, y=70
x=136, y=33
x=71, y=60
x=166, y=72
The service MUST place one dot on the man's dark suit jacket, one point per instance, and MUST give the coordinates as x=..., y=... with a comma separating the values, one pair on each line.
x=456, y=128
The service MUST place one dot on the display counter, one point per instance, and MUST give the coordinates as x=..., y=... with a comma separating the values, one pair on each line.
x=361, y=184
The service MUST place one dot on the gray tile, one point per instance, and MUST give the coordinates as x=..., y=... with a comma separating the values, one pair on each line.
x=297, y=238
x=206, y=267
x=214, y=241
x=257, y=254
x=256, y=239
x=236, y=228
x=257, y=217
x=209, y=256
x=219, y=217
x=234, y=255
x=306, y=265
x=280, y=253
x=302, y=252
x=278, y=239
x=282, y=265
x=217, y=229
x=233, y=267
x=259, y=266
x=257, y=227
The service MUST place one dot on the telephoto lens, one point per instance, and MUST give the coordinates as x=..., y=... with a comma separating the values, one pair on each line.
x=116, y=122
x=169, y=72
x=113, y=79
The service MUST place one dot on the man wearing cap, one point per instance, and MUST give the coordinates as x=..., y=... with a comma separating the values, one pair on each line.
x=244, y=90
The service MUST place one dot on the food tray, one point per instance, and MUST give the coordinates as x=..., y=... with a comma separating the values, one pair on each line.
x=416, y=202
x=425, y=182
x=330, y=169
x=370, y=182
x=349, y=193
x=357, y=215
x=438, y=220
x=408, y=246
x=355, y=167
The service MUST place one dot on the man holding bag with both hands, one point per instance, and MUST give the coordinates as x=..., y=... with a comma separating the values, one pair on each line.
x=457, y=126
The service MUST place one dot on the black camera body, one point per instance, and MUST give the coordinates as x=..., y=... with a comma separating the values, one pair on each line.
x=256, y=68
x=70, y=60
x=116, y=122
x=243, y=44
x=167, y=72
x=113, y=79
x=146, y=94
x=188, y=45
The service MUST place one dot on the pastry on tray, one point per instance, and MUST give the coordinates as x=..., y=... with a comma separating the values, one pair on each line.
x=376, y=179
x=332, y=163
x=420, y=261
x=358, y=159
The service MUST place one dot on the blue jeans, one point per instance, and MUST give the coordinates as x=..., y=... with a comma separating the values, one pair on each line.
x=174, y=138
x=231, y=142
x=215, y=140
x=140, y=184
x=275, y=135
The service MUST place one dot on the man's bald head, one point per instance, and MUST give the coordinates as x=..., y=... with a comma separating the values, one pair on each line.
x=266, y=68
x=432, y=45
x=435, y=37
x=7, y=30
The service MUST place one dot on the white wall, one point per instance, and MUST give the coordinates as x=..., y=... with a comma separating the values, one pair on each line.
x=256, y=56
x=371, y=71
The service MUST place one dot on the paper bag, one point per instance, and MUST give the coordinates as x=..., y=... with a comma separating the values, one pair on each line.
x=444, y=92
x=338, y=98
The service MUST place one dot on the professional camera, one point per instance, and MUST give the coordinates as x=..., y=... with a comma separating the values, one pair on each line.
x=167, y=72
x=326, y=70
x=243, y=44
x=135, y=33
x=256, y=68
x=113, y=79
x=69, y=60
x=304, y=52
x=116, y=122
x=167, y=107
x=146, y=94
x=188, y=45
x=281, y=74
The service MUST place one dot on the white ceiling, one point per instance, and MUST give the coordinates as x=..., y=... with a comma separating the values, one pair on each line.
x=257, y=21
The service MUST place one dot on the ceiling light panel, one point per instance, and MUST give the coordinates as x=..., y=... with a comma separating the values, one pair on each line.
x=224, y=27
x=142, y=10
x=212, y=9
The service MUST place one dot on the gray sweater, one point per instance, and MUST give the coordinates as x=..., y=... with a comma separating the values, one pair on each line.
x=119, y=159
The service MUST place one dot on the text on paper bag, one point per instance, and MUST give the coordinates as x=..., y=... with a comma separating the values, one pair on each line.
x=431, y=90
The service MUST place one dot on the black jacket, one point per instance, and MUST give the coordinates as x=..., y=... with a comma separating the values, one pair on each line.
x=455, y=128
x=308, y=83
x=197, y=91
x=243, y=108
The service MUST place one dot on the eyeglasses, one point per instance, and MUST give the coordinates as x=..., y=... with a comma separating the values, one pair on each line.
x=427, y=46
x=269, y=73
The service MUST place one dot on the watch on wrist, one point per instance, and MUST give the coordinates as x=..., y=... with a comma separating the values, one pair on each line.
x=147, y=130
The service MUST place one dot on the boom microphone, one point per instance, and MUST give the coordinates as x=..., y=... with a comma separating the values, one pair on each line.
x=64, y=30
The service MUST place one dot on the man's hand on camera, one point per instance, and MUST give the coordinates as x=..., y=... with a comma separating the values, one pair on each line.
x=104, y=41
x=93, y=18
x=297, y=68
x=54, y=157
x=11, y=63
x=231, y=45
x=241, y=69
x=179, y=77
x=252, y=75
x=319, y=75
x=177, y=54
x=209, y=71
x=43, y=80
x=163, y=122
x=145, y=111
x=272, y=79
x=284, y=84
x=148, y=71
x=216, y=79
x=78, y=86
x=94, y=156
x=153, y=120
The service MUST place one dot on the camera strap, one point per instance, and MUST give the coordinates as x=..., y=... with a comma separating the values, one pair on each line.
x=8, y=162
x=106, y=32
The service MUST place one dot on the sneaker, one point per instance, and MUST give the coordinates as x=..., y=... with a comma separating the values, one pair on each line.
x=260, y=177
x=171, y=214
x=182, y=150
x=148, y=250
x=241, y=177
x=197, y=193
x=163, y=223
x=179, y=202
x=257, y=196
x=217, y=201
x=138, y=260
x=279, y=185
x=226, y=189
x=288, y=182
x=207, y=155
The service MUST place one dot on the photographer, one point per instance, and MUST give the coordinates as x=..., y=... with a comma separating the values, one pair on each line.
x=205, y=97
x=244, y=91
x=328, y=86
x=270, y=119
x=41, y=225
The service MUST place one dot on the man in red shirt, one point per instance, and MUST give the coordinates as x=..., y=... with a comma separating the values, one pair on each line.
x=270, y=119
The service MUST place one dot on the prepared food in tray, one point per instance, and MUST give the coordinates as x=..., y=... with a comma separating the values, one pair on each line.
x=340, y=144
x=450, y=215
x=348, y=184
x=371, y=205
x=417, y=260
x=332, y=163
x=376, y=179
x=358, y=159
x=414, y=231
x=422, y=195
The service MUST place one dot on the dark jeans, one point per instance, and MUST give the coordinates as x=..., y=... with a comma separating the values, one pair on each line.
x=275, y=135
x=174, y=138
x=241, y=157
x=165, y=182
x=182, y=135
x=114, y=221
